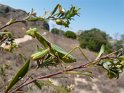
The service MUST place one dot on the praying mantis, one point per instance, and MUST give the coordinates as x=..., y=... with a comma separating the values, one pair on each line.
x=51, y=54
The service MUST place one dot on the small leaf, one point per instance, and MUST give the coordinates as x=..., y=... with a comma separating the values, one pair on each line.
x=80, y=73
x=57, y=88
x=41, y=83
x=35, y=18
x=101, y=51
x=121, y=58
x=122, y=62
x=37, y=83
x=60, y=89
x=55, y=9
x=20, y=74
x=60, y=8
x=113, y=74
x=22, y=57
x=106, y=65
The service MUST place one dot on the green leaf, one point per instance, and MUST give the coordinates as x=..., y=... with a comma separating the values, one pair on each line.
x=57, y=88
x=37, y=83
x=35, y=18
x=101, y=52
x=121, y=58
x=80, y=73
x=22, y=57
x=122, y=62
x=113, y=74
x=55, y=9
x=60, y=89
x=20, y=74
x=106, y=65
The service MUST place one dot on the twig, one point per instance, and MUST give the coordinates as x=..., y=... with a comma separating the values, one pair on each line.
x=23, y=82
x=1, y=41
x=61, y=72
x=18, y=21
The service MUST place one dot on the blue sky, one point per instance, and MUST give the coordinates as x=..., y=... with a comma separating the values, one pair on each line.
x=107, y=15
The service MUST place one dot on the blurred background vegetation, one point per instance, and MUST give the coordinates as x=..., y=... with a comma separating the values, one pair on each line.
x=92, y=39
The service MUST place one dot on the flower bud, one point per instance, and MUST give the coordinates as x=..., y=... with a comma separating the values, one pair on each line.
x=59, y=21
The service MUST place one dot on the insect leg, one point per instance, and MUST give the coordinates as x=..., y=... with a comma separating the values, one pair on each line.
x=77, y=47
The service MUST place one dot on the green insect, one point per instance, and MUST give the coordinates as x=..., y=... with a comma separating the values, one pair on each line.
x=51, y=53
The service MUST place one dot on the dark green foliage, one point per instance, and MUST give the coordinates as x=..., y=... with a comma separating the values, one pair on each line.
x=70, y=34
x=57, y=31
x=62, y=16
x=93, y=39
x=113, y=66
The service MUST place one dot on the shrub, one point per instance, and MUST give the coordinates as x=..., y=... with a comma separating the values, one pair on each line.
x=57, y=31
x=46, y=25
x=93, y=39
x=70, y=34
x=117, y=44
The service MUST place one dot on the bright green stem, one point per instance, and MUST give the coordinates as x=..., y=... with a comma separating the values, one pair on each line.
x=77, y=47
